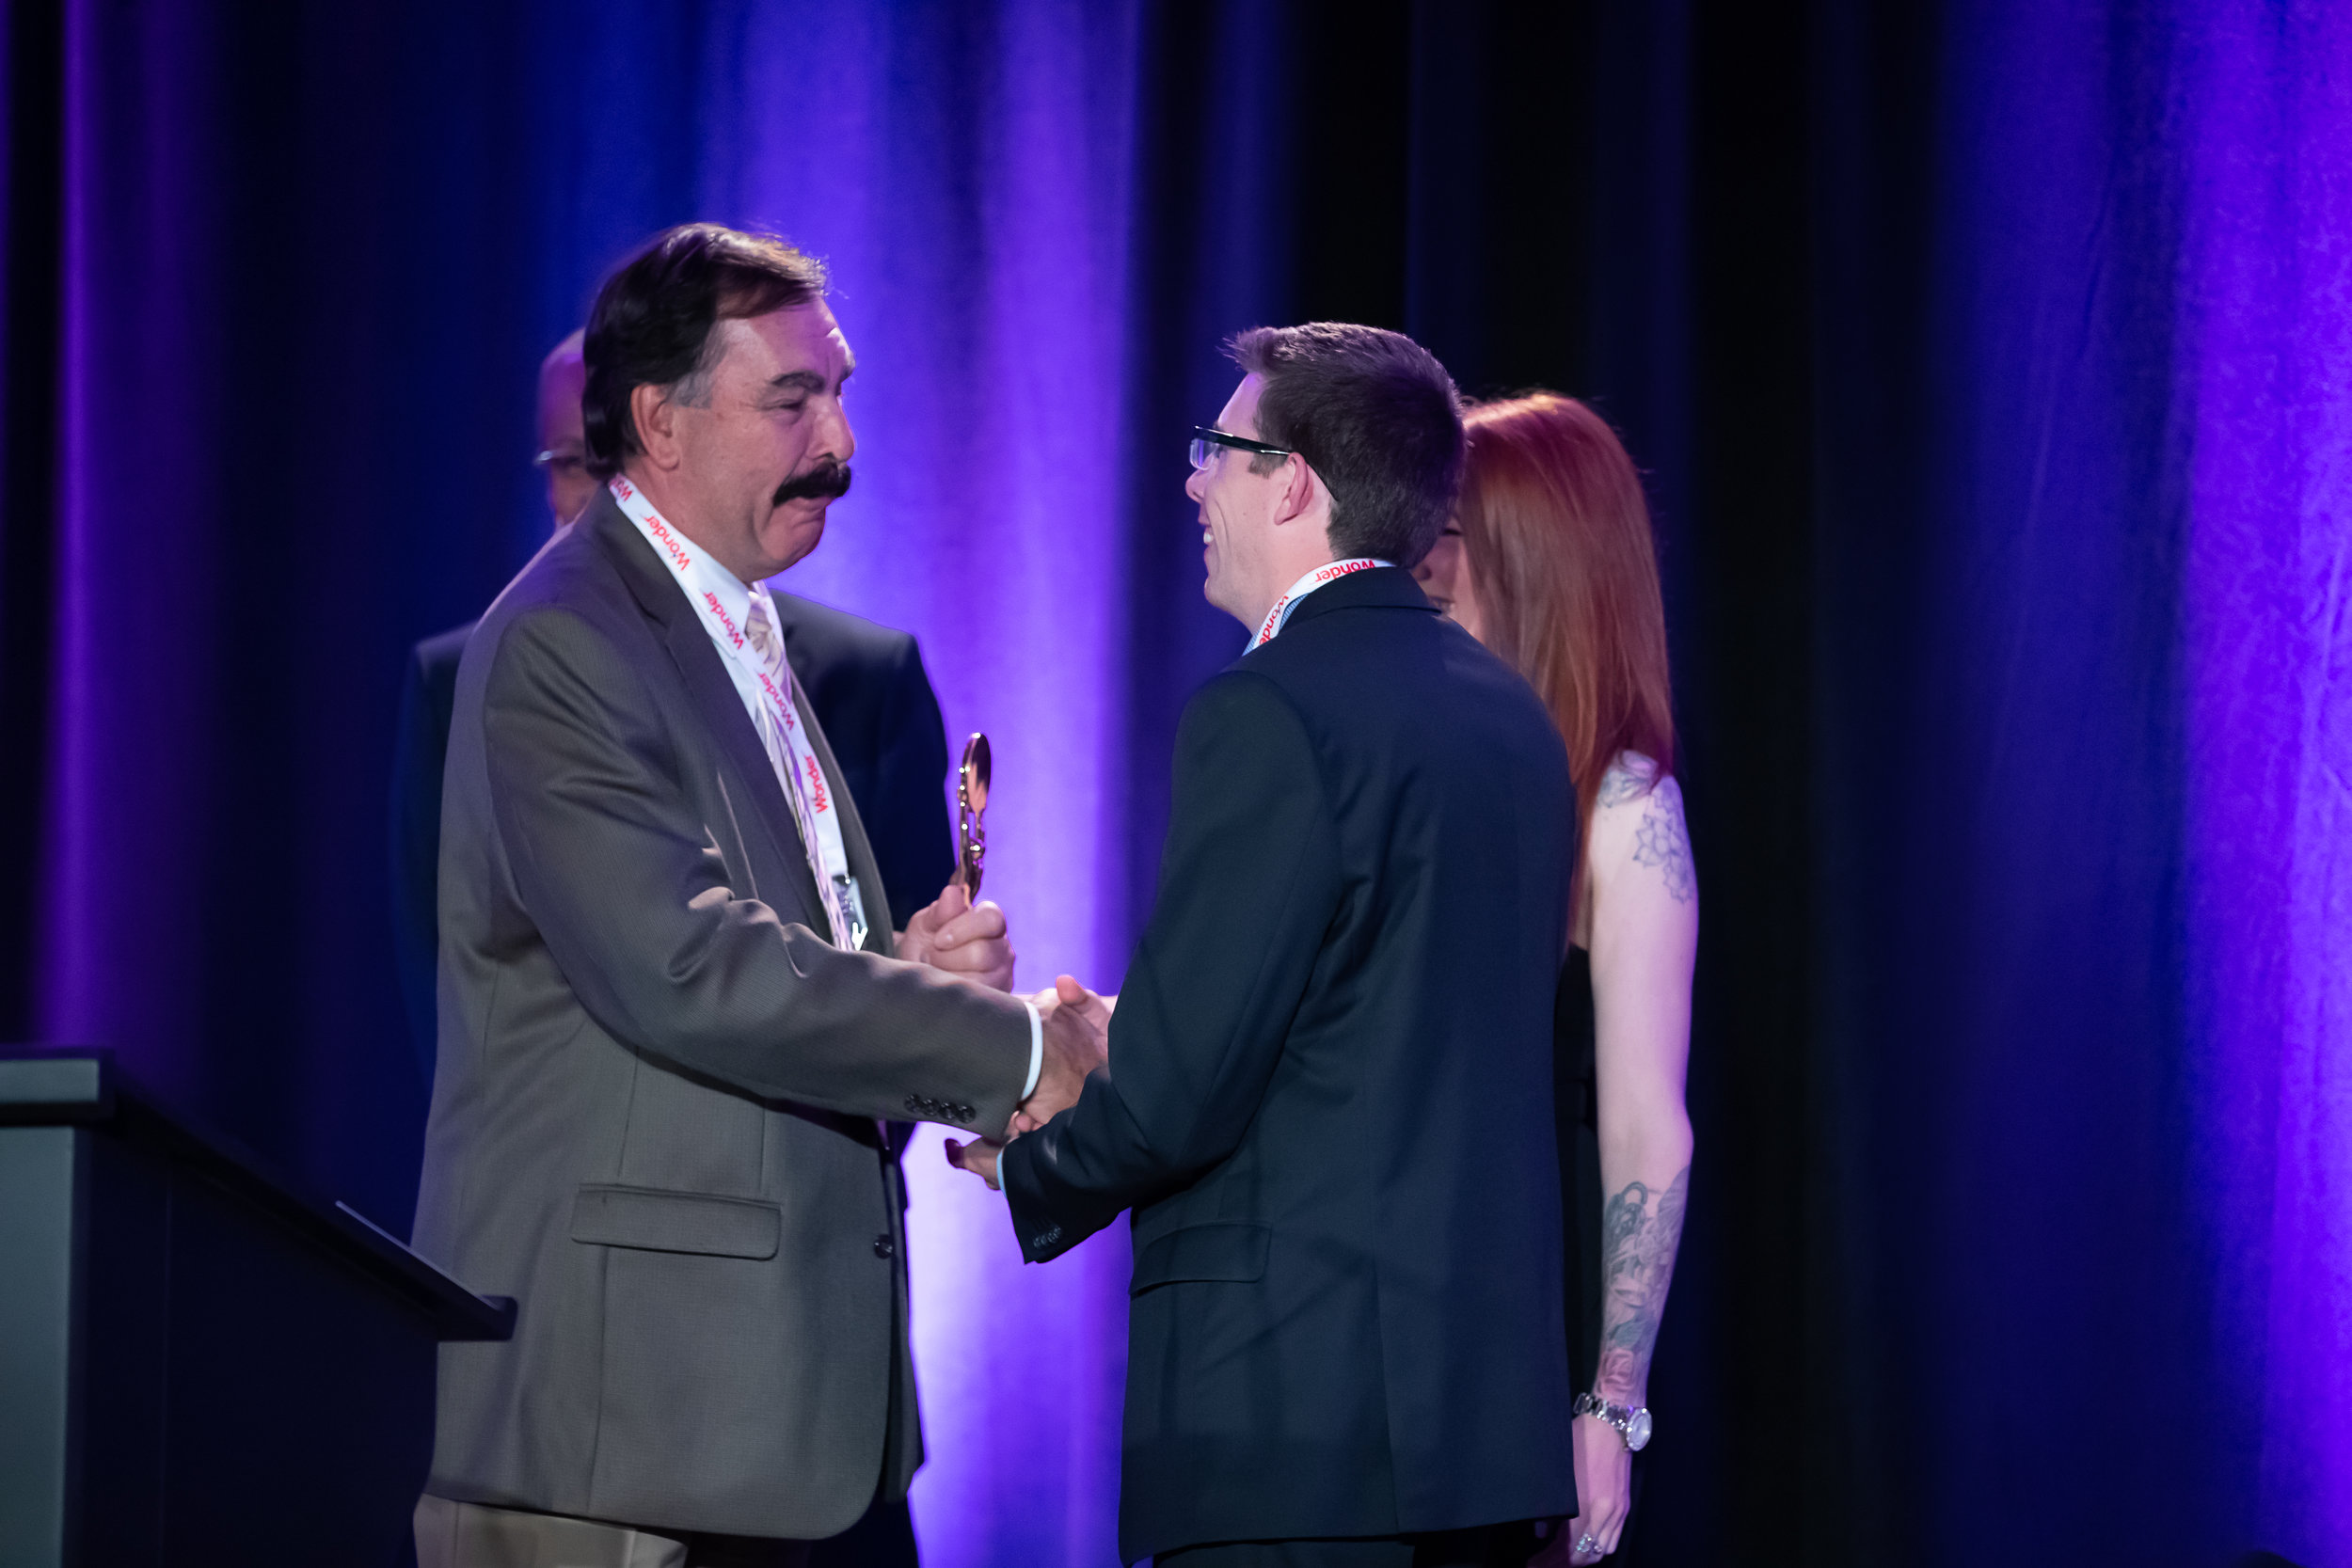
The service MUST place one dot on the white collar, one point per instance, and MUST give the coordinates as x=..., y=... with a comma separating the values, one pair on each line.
x=733, y=592
x=735, y=596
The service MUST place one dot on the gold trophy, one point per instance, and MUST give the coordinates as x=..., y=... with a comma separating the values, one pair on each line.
x=971, y=801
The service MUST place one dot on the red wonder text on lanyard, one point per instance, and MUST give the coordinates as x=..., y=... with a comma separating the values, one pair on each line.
x=1329, y=572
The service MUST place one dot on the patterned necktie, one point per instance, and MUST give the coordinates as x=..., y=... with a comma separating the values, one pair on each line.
x=761, y=631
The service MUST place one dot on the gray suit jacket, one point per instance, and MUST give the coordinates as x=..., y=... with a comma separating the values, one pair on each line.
x=654, y=1109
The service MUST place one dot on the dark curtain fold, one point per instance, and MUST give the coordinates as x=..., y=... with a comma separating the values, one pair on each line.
x=31, y=255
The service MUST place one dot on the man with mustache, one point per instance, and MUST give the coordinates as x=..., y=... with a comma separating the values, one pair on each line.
x=672, y=1021
x=873, y=699
x=828, y=481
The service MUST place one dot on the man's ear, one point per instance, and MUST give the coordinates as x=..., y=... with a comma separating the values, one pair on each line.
x=656, y=418
x=1303, y=494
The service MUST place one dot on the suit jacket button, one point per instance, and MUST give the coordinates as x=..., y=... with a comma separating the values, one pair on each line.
x=915, y=1104
x=884, y=1246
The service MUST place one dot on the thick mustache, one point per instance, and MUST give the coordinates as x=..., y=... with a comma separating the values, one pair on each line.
x=828, y=481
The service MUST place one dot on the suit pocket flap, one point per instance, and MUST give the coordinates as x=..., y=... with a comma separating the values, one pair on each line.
x=1232, y=1253
x=676, y=1222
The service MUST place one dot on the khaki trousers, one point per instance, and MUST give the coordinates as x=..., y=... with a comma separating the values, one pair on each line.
x=474, y=1535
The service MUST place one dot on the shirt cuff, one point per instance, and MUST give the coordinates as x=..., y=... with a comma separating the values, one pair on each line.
x=1036, y=1048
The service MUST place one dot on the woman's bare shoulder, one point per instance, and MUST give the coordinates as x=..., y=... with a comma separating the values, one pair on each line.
x=1638, y=823
x=1629, y=778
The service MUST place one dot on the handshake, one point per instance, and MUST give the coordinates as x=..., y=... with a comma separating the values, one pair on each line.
x=966, y=939
x=1077, y=1043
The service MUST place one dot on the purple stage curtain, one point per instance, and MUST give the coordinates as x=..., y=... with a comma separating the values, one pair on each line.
x=2202, y=247
x=2266, y=396
x=2086, y=495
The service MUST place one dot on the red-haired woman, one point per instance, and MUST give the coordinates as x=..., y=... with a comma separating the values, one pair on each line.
x=1550, y=562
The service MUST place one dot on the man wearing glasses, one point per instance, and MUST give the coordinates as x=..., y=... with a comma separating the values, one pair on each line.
x=1329, y=1102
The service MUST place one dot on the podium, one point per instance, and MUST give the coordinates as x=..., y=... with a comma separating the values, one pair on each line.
x=198, y=1363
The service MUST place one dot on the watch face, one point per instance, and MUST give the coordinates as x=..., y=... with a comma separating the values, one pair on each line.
x=1637, y=1431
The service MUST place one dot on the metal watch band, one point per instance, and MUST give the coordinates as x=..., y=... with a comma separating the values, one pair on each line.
x=1634, y=1426
x=1593, y=1404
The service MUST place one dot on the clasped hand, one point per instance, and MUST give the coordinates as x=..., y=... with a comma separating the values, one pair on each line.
x=1077, y=1043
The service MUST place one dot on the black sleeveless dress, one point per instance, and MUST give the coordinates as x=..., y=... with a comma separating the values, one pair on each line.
x=1575, y=1110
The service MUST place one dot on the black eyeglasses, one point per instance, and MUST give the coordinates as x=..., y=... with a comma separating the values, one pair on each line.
x=1205, y=441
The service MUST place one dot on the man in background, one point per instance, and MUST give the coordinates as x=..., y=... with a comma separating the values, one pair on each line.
x=426, y=696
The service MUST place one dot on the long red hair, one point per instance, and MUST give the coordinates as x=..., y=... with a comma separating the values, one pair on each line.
x=1557, y=532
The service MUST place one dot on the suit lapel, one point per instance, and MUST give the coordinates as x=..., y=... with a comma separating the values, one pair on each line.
x=711, y=689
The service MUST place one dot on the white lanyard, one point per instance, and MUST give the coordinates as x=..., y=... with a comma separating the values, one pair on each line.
x=788, y=750
x=1328, y=572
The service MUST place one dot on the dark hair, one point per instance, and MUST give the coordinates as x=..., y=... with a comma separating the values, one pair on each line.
x=1376, y=416
x=653, y=321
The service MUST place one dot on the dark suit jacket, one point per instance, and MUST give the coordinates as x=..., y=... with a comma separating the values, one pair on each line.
x=419, y=748
x=872, y=698
x=1330, y=1099
x=655, y=1105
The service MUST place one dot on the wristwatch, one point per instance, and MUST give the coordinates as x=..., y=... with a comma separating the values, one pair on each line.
x=1633, y=1425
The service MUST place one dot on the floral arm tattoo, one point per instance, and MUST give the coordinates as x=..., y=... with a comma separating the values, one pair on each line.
x=1640, y=1231
x=1663, y=842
